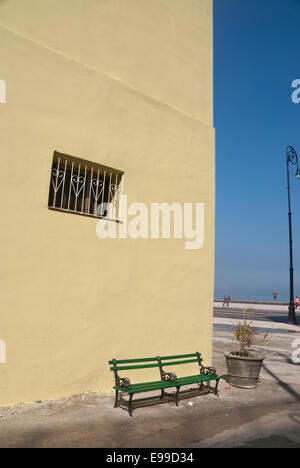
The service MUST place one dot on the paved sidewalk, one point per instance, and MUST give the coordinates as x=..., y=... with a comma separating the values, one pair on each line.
x=259, y=324
x=260, y=306
x=266, y=417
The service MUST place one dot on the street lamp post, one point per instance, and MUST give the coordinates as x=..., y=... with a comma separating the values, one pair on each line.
x=291, y=158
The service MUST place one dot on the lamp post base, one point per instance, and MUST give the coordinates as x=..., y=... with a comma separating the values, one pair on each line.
x=292, y=315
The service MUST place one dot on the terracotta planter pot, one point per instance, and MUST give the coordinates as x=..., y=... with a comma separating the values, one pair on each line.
x=243, y=372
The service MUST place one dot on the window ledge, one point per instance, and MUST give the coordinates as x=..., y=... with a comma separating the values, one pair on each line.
x=62, y=210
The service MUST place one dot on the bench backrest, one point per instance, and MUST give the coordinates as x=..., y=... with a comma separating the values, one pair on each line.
x=146, y=363
x=159, y=361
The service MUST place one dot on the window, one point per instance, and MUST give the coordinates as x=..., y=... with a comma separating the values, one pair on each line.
x=84, y=188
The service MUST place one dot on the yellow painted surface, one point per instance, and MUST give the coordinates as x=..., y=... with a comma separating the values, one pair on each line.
x=127, y=84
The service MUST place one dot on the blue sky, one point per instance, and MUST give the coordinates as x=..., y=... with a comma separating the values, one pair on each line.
x=256, y=58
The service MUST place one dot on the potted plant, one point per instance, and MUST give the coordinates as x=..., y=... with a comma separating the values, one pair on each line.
x=244, y=365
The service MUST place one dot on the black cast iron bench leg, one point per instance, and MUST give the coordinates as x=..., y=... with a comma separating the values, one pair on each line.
x=200, y=386
x=216, y=388
x=177, y=393
x=116, y=398
x=162, y=393
x=130, y=404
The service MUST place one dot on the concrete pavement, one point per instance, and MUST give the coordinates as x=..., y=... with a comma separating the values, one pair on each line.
x=275, y=307
x=275, y=314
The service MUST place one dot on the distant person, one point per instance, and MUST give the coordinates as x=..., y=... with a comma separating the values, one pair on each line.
x=275, y=295
x=228, y=301
x=224, y=300
x=297, y=302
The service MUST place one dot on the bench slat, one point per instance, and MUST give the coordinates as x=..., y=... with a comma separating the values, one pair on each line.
x=180, y=356
x=196, y=378
x=145, y=366
x=175, y=363
x=147, y=388
x=129, y=361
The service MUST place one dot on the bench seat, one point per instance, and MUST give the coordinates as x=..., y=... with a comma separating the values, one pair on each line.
x=159, y=385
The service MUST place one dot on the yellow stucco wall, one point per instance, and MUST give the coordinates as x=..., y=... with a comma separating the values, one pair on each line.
x=127, y=84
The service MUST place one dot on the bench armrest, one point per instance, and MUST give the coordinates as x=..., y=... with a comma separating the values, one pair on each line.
x=207, y=370
x=124, y=382
x=169, y=376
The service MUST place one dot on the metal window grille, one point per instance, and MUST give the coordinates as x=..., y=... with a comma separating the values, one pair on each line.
x=84, y=188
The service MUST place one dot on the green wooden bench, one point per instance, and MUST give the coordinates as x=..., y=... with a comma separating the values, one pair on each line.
x=167, y=379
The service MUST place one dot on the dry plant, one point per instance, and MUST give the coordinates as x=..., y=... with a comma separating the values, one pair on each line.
x=245, y=335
